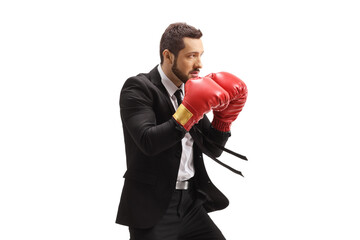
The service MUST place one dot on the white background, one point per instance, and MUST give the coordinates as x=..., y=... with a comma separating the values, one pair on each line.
x=62, y=65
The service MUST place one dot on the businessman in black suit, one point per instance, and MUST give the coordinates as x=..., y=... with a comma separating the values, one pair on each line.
x=167, y=192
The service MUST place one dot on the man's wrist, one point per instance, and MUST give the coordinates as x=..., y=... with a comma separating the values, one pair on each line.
x=179, y=127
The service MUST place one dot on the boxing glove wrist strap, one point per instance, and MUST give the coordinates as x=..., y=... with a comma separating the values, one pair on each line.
x=182, y=115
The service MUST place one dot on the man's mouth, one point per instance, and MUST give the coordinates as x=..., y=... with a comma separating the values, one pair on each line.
x=194, y=74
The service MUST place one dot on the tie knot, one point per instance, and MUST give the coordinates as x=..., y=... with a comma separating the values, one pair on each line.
x=178, y=96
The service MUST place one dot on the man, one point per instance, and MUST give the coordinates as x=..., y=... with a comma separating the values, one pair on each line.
x=167, y=193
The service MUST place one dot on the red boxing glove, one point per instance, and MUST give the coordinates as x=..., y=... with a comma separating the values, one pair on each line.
x=201, y=95
x=238, y=93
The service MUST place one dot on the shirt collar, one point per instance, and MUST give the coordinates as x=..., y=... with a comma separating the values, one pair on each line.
x=168, y=84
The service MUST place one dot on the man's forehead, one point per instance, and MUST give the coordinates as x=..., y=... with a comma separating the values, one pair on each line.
x=193, y=45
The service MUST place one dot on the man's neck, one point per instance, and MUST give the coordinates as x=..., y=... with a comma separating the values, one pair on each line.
x=169, y=73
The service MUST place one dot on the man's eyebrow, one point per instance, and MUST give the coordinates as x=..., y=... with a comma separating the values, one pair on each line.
x=201, y=53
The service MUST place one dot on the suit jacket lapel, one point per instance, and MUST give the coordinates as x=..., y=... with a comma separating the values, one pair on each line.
x=156, y=80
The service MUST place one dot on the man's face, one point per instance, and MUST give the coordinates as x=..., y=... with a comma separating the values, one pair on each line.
x=188, y=62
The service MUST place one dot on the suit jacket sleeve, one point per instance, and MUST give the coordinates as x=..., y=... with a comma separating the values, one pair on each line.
x=139, y=118
x=211, y=133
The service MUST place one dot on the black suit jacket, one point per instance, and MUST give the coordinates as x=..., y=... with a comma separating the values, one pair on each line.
x=153, y=150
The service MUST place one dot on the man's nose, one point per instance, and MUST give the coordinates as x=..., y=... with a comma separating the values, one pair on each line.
x=198, y=63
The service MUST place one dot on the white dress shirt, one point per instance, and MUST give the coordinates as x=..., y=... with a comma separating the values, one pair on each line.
x=186, y=169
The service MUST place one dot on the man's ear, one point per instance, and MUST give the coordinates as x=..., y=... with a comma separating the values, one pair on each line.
x=168, y=56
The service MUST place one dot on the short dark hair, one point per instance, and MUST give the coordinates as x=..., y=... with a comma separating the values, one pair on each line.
x=172, y=38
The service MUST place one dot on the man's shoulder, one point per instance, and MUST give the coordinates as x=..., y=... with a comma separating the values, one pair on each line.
x=141, y=78
x=144, y=79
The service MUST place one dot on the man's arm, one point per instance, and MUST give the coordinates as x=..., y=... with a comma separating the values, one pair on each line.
x=214, y=135
x=138, y=117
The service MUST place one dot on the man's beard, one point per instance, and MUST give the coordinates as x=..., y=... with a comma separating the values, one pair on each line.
x=178, y=73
